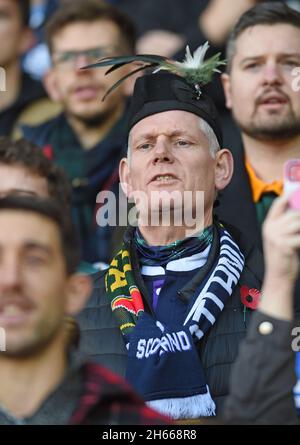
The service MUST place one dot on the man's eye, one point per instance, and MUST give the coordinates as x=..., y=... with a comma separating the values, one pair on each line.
x=144, y=146
x=65, y=57
x=291, y=63
x=252, y=66
x=35, y=260
x=182, y=143
x=97, y=54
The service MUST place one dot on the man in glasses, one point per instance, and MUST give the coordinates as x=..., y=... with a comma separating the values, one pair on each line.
x=87, y=140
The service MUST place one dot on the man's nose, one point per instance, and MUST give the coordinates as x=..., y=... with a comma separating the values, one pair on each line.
x=80, y=61
x=10, y=272
x=272, y=74
x=163, y=150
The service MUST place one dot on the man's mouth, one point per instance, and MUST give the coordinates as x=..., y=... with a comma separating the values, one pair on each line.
x=273, y=101
x=164, y=178
x=86, y=92
x=13, y=313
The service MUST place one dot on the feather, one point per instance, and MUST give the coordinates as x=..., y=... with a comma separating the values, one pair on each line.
x=194, y=68
x=124, y=60
x=115, y=85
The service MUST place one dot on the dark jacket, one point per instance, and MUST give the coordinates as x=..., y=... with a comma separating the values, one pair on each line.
x=31, y=91
x=236, y=207
x=263, y=377
x=101, y=337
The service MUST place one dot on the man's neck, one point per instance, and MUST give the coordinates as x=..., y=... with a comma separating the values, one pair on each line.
x=91, y=136
x=13, y=79
x=26, y=382
x=163, y=236
x=268, y=157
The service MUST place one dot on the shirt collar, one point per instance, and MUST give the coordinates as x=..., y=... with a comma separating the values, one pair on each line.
x=259, y=187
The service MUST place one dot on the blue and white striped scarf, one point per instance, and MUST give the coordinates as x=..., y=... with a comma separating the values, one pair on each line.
x=163, y=363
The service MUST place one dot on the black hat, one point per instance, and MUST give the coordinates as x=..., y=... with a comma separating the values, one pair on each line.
x=164, y=91
x=172, y=86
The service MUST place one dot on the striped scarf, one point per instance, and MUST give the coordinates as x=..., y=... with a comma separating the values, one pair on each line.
x=163, y=363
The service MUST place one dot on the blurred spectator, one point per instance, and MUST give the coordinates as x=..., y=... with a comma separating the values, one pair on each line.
x=263, y=51
x=42, y=381
x=25, y=170
x=22, y=95
x=89, y=138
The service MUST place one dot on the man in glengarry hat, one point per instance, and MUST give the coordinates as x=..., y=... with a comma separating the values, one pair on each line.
x=176, y=300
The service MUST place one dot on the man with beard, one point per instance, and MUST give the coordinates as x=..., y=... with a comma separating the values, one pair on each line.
x=263, y=54
x=88, y=138
x=260, y=86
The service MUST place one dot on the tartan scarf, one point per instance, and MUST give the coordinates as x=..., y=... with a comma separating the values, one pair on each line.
x=162, y=255
x=163, y=363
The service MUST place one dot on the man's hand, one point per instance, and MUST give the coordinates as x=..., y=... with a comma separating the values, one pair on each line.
x=281, y=238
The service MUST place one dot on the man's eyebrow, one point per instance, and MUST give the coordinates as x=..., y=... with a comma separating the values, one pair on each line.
x=23, y=192
x=262, y=56
x=37, y=245
x=151, y=136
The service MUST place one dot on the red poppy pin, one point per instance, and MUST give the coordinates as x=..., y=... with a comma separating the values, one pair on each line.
x=250, y=297
x=48, y=152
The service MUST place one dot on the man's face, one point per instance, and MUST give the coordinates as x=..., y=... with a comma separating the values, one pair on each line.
x=81, y=91
x=12, y=32
x=259, y=88
x=170, y=153
x=33, y=282
x=18, y=180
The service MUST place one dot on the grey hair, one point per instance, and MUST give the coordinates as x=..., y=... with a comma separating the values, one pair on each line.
x=213, y=143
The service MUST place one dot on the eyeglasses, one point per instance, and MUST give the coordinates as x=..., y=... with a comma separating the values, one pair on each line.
x=68, y=59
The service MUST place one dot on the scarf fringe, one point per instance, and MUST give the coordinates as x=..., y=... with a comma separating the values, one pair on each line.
x=192, y=407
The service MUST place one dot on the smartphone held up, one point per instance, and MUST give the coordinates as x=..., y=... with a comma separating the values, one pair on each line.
x=292, y=182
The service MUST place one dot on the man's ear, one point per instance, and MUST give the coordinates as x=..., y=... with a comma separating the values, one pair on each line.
x=125, y=177
x=224, y=168
x=78, y=291
x=51, y=86
x=226, y=82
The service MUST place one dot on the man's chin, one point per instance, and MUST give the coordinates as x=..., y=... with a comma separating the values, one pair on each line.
x=91, y=116
x=21, y=350
x=272, y=128
x=22, y=346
